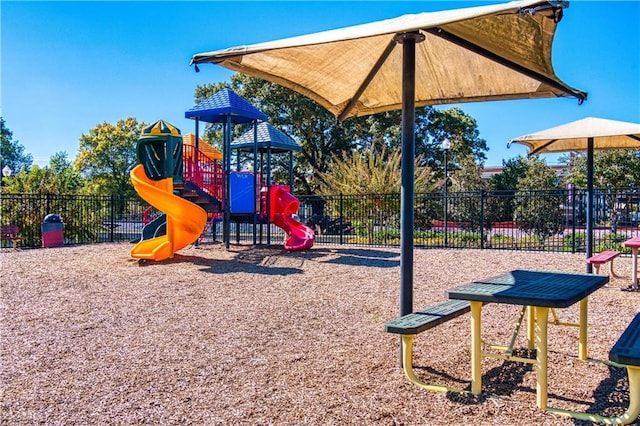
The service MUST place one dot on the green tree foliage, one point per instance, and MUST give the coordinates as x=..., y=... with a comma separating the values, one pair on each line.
x=536, y=214
x=313, y=127
x=434, y=125
x=468, y=210
x=468, y=177
x=11, y=151
x=371, y=171
x=55, y=183
x=107, y=154
x=616, y=168
x=58, y=177
x=501, y=205
x=374, y=178
x=321, y=135
x=512, y=171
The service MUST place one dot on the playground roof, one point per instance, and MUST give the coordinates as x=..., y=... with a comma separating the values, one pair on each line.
x=268, y=137
x=211, y=151
x=222, y=104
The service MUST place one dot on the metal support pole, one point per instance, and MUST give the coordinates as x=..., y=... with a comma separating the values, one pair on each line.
x=226, y=225
x=446, y=201
x=269, y=207
x=589, y=202
x=291, y=172
x=256, y=190
x=408, y=170
x=482, y=235
x=196, y=143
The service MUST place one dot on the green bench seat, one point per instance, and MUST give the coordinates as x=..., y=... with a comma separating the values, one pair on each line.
x=411, y=324
x=430, y=317
x=627, y=349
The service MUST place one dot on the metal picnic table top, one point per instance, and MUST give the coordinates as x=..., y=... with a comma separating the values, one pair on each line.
x=531, y=288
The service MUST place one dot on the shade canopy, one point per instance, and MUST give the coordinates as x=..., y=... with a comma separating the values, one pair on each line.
x=587, y=135
x=606, y=134
x=268, y=138
x=483, y=53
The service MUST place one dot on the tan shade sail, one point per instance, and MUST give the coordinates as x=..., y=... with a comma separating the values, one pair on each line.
x=587, y=135
x=481, y=53
x=606, y=134
x=476, y=54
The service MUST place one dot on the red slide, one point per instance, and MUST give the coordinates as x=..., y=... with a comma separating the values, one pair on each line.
x=283, y=205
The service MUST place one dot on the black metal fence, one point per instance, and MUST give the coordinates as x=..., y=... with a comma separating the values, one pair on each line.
x=87, y=219
x=551, y=220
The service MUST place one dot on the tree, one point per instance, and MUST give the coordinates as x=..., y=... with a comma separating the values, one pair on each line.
x=615, y=168
x=372, y=178
x=538, y=212
x=612, y=169
x=107, y=154
x=434, y=125
x=371, y=171
x=469, y=179
x=321, y=135
x=12, y=152
x=505, y=183
x=312, y=126
x=512, y=171
x=58, y=177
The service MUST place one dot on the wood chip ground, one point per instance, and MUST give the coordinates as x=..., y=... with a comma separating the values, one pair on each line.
x=260, y=336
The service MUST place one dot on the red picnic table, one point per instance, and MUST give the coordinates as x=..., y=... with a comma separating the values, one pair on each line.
x=633, y=244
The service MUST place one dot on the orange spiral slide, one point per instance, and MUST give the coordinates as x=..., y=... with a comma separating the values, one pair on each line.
x=185, y=220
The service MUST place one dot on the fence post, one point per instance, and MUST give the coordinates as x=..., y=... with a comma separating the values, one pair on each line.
x=112, y=216
x=573, y=218
x=482, y=198
x=341, y=219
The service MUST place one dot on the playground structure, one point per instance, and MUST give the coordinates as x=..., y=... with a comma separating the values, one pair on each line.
x=181, y=176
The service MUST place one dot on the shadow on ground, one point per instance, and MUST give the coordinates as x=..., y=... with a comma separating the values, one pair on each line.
x=259, y=259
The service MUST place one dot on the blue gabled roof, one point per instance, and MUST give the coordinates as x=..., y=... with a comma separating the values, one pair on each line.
x=217, y=107
x=268, y=137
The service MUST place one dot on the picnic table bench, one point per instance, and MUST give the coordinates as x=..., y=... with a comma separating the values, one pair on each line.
x=414, y=323
x=602, y=258
x=10, y=233
x=624, y=353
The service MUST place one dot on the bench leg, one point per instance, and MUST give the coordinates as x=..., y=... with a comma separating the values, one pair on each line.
x=476, y=347
x=626, y=418
x=613, y=274
x=531, y=324
x=542, y=391
x=407, y=362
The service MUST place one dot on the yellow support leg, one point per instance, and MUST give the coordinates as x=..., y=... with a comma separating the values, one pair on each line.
x=541, y=356
x=626, y=418
x=531, y=323
x=407, y=362
x=582, y=345
x=476, y=348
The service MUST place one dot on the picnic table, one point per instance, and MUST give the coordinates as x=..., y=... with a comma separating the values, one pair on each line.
x=633, y=244
x=540, y=291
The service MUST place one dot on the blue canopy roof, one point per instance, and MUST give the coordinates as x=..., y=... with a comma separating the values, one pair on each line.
x=217, y=107
x=268, y=137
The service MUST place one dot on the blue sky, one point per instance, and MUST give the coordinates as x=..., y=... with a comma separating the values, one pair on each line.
x=69, y=66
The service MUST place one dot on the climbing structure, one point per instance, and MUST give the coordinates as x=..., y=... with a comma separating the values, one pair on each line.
x=159, y=180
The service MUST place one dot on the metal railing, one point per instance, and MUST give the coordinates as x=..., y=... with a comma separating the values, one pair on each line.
x=551, y=220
